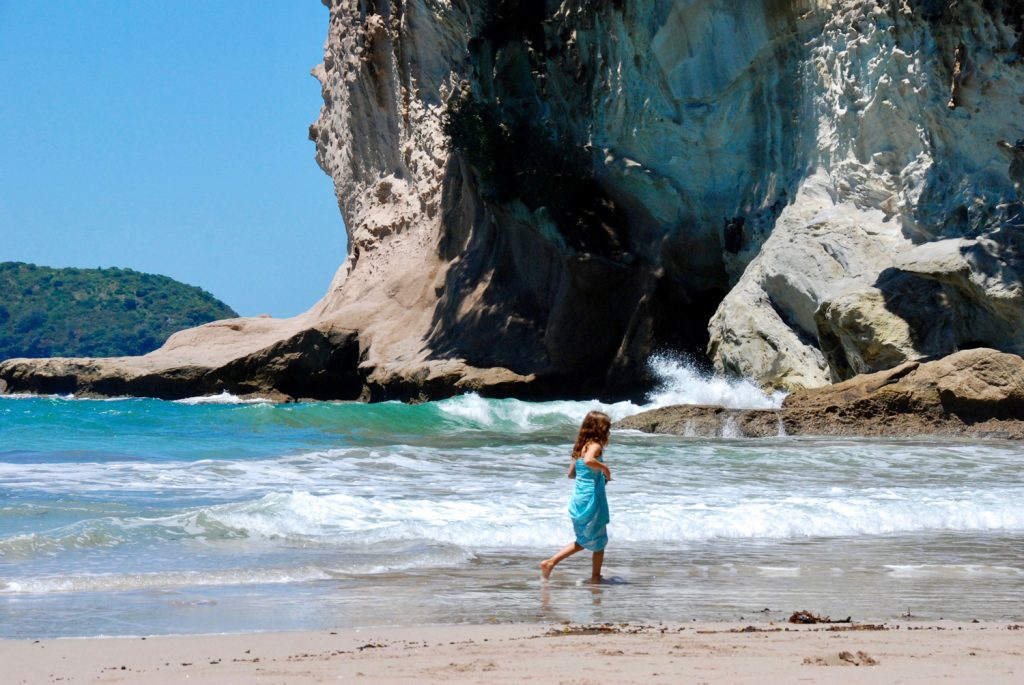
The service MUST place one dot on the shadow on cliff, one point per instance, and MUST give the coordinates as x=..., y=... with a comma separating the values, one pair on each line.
x=946, y=313
x=551, y=289
x=555, y=271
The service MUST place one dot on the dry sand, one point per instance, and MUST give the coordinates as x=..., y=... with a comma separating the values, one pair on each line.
x=689, y=653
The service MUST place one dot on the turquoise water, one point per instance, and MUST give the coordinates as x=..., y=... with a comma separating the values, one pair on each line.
x=139, y=516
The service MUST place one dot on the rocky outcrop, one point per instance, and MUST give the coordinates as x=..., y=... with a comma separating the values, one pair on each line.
x=538, y=195
x=278, y=360
x=967, y=392
x=242, y=356
x=977, y=393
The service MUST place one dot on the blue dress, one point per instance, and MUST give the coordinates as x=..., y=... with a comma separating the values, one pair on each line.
x=588, y=508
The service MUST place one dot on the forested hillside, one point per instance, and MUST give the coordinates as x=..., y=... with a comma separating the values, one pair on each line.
x=72, y=312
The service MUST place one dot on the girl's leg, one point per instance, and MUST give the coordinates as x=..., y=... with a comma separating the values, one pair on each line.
x=548, y=565
x=595, y=573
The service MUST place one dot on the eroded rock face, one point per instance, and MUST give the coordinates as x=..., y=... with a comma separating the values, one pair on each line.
x=903, y=241
x=538, y=195
x=575, y=167
x=597, y=176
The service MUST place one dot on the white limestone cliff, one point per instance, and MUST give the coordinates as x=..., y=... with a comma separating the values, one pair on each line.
x=540, y=194
x=901, y=242
x=793, y=154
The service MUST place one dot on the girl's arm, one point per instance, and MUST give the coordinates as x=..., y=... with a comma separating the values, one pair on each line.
x=590, y=454
x=572, y=470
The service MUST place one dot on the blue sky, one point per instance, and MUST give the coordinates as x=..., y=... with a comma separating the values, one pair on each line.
x=169, y=137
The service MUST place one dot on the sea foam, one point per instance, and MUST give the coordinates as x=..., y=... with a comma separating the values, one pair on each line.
x=475, y=522
x=681, y=382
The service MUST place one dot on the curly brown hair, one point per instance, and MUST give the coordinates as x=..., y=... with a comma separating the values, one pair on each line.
x=595, y=428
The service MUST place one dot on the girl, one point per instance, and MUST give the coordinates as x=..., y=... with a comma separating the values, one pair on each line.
x=588, y=507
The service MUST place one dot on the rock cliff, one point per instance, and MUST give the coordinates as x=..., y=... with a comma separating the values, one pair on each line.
x=902, y=238
x=594, y=178
x=538, y=194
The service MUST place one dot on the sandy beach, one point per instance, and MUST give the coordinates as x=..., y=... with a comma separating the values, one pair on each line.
x=905, y=652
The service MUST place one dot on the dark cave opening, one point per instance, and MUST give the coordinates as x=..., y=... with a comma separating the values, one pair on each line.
x=679, y=318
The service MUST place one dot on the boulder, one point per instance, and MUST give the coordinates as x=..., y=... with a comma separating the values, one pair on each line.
x=960, y=393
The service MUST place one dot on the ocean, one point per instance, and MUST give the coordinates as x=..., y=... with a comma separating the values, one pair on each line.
x=211, y=515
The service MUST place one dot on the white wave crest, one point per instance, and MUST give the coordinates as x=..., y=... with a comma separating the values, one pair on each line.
x=69, y=397
x=223, y=398
x=821, y=516
x=74, y=536
x=679, y=382
x=498, y=414
x=532, y=519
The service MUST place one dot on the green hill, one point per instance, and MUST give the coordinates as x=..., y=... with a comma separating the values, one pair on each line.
x=48, y=312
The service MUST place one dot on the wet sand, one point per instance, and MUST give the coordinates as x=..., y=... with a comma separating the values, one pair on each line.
x=905, y=652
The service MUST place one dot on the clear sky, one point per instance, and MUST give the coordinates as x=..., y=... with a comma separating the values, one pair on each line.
x=169, y=137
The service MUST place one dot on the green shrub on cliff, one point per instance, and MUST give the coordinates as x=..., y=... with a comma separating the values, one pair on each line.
x=48, y=312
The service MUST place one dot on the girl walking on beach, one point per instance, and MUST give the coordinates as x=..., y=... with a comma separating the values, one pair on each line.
x=588, y=507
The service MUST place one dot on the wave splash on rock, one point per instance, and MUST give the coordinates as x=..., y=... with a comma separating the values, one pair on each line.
x=973, y=393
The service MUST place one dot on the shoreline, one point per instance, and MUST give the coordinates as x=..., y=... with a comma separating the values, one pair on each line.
x=733, y=652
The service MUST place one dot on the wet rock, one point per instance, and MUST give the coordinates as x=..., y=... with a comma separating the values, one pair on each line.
x=694, y=420
x=977, y=392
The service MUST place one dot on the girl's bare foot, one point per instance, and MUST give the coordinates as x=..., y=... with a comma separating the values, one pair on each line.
x=546, y=567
